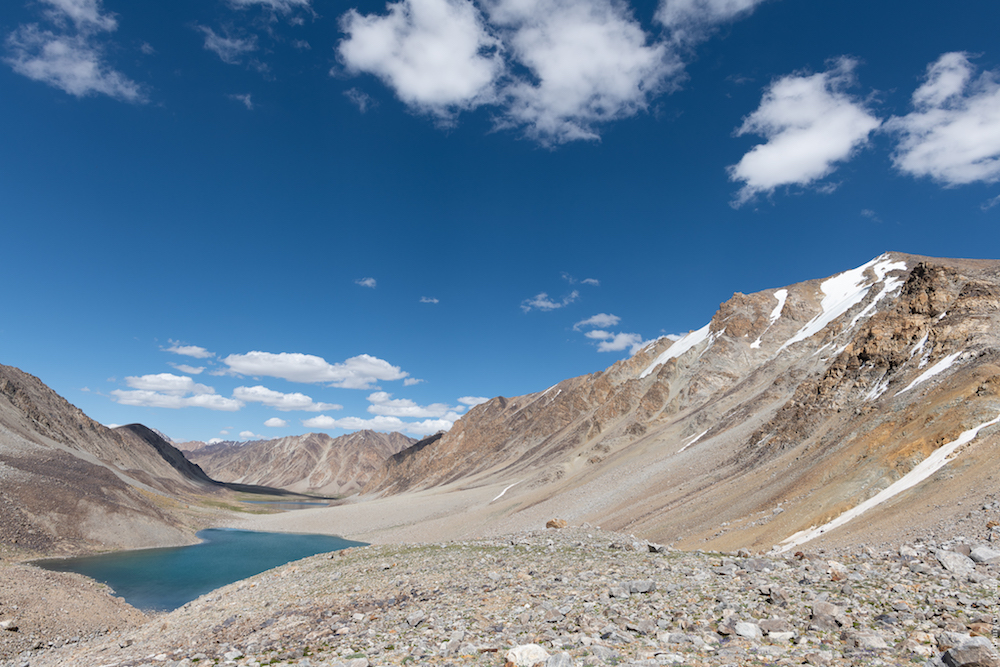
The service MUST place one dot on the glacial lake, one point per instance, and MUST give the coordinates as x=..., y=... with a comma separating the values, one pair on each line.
x=167, y=578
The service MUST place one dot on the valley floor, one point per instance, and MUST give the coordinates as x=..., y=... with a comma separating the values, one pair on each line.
x=583, y=596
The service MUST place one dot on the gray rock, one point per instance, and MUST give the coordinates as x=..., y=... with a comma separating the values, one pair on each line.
x=641, y=586
x=562, y=659
x=867, y=641
x=956, y=563
x=985, y=555
x=748, y=630
x=415, y=619
x=527, y=655
x=603, y=653
x=976, y=652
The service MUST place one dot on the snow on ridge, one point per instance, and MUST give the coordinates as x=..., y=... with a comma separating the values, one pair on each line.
x=939, y=367
x=678, y=348
x=937, y=460
x=781, y=295
x=845, y=290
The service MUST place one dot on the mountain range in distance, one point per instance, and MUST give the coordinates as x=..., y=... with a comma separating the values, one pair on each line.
x=856, y=408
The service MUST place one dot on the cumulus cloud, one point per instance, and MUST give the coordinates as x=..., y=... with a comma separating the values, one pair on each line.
x=590, y=62
x=229, y=49
x=153, y=399
x=379, y=423
x=541, y=301
x=811, y=123
x=366, y=282
x=276, y=422
x=189, y=350
x=190, y=370
x=616, y=342
x=692, y=20
x=409, y=382
x=168, y=383
x=247, y=435
x=382, y=403
x=436, y=55
x=281, y=401
x=599, y=320
x=360, y=372
x=953, y=134
x=556, y=70
x=473, y=401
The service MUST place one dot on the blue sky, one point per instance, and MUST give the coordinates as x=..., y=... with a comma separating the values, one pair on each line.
x=242, y=218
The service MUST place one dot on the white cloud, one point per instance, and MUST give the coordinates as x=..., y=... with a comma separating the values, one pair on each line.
x=953, y=134
x=366, y=282
x=153, y=399
x=168, y=383
x=246, y=435
x=616, y=342
x=244, y=100
x=379, y=423
x=691, y=20
x=280, y=401
x=190, y=370
x=382, y=403
x=599, y=320
x=472, y=401
x=73, y=63
x=215, y=441
x=275, y=422
x=363, y=101
x=409, y=382
x=436, y=55
x=990, y=203
x=427, y=299
x=590, y=62
x=85, y=14
x=591, y=281
x=359, y=372
x=189, y=350
x=810, y=124
x=280, y=6
x=541, y=301
x=229, y=49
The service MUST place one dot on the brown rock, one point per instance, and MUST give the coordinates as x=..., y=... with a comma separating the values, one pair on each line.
x=556, y=523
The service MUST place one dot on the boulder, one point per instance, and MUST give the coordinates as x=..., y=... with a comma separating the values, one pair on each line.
x=527, y=655
x=556, y=523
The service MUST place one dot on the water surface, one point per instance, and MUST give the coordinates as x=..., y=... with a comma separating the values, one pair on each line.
x=166, y=578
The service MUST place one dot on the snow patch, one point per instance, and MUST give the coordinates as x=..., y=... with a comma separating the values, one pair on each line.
x=506, y=490
x=845, y=290
x=879, y=388
x=693, y=440
x=937, y=460
x=939, y=367
x=781, y=295
x=677, y=349
x=919, y=347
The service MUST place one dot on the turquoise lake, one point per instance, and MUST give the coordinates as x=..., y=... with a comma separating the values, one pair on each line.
x=167, y=578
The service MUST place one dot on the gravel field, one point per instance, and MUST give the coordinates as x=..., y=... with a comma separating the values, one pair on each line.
x=577, y=596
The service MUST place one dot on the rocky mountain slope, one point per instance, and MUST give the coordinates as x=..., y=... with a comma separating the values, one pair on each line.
x=790, y=409
x=69, y=484
x=315, y=463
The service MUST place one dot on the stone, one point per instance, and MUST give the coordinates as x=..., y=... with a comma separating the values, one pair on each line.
x=985, y=555
x=956, y=563
x=561, y=659
x=8, y=625
x=556, y=523
x=748, y=630
x=603, y=653
x=415, y=619
x=976, y=652
x=867, y=641
x=527, y=655
x=641, y=586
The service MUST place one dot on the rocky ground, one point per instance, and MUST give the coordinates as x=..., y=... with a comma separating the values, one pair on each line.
x=574, y=597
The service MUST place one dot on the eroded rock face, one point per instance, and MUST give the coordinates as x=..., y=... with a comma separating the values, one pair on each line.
x=843, y=385
x=314, y=463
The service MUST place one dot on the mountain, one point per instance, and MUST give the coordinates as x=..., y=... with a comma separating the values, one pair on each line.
x=314, y=463
x=867, y=399
x=68, y=483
